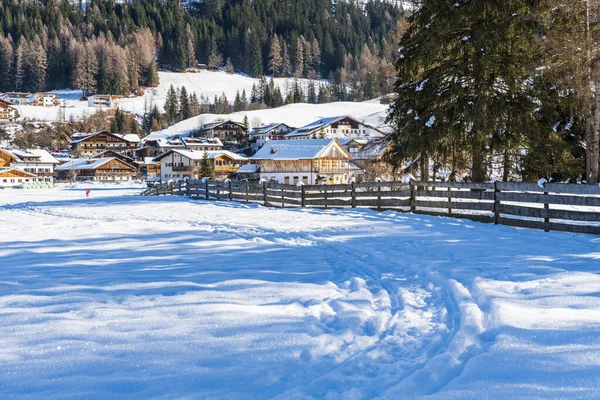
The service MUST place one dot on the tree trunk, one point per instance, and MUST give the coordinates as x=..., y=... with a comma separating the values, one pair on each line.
x=506, y=166
x=477, y=172
x=424, y=168
x=595, y=140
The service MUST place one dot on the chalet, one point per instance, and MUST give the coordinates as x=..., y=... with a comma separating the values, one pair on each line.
x=155, y=147
x=92, y=143
x=310, y=161
x=335, y=128
x=7, y=112
x=233, y=135
x=370, y=158
x=45, y=99
x=261, y=135
x=97, y=169
x=18, y=98
x=101, y=101
x=37, y=162
x=15, y=178
x=180, y=164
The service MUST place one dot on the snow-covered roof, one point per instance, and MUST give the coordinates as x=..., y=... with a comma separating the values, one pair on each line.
x=149, y=161
x=306, y=149
x=372, y=150
x=248, y=169
x=128, y=137
x=266, y=129
x=199, y=154
x=42, y=156
x=87, y=163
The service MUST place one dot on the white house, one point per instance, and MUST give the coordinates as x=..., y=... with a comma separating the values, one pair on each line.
x=335, y=128
x=310, y=161
x=7, y=112
x=37, y=164
x=100, y=100
x=259, y=136
x=179, y=164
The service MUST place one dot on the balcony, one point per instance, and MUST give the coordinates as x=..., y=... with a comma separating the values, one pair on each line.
x=182, y=169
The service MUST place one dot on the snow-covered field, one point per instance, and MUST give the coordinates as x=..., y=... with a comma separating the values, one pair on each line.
x=121, y=296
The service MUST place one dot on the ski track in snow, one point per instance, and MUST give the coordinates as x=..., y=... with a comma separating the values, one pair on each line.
x=129, y=297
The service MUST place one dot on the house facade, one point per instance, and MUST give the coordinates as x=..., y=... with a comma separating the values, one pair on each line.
x=181, y=164
x=15, y=178
x=261, y=135
x=7, y=112
x=155, y=147
x=335, y=128
x=37, y=162
x=97, y=169
x=310, y=161
x=233, y=135
x=101, y=101
x=45, y=99
x=89, y=144
x=18, y=98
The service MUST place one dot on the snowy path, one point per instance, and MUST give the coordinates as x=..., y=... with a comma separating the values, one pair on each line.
x=128, y=297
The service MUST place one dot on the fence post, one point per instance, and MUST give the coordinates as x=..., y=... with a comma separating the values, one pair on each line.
x=206, y=189
x=247, y=190
x=353, y=196
x=171, y=188
x=282, y=198
x=378, y=198
x=302, y=198
x=179, y=188
x=449, y=200
x=187, y=188
x=265, y=193
x=546, y=213
x=496, y=204
x=325, y=188
x=412, y=197
x=230, y=193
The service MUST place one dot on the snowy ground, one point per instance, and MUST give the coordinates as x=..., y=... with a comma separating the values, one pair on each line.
x=120, y=296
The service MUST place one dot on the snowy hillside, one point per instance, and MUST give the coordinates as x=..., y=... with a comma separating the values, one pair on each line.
x=125, y=297
x=207, y=83
x=297, y=115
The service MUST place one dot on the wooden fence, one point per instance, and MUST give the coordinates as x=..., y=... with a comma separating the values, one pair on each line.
x=561, y=207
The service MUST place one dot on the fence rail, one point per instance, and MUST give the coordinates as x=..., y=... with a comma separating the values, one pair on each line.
x=560, y=207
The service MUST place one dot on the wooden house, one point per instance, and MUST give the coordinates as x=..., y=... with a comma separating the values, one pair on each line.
x=38, y=162
x=180, y=164
x=7, y=112
x=91, y=143
x=310, y=161
x=335, y=128
x=15, y=178
x=233, y=135
x=97, y=169
x=261, y=135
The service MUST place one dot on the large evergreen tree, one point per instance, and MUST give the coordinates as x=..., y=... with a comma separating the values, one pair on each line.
x=464, y=77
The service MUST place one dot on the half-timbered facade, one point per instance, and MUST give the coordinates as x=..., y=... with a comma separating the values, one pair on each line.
x=311, y=161
x=15, y=178
x=38, y=162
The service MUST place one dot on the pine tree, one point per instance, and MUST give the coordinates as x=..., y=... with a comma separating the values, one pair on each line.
x=299, y=65
x=274, y=60
x=312, y=92
x=244, y=100
x=447, y=82
x=286, y=62
x=171, y=105
x=185, y=109
x=206, y=169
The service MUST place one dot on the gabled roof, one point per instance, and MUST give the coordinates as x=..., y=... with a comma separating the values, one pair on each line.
x=268, y=128
x=41, y=156
x=6, y=104
x=216, y=124
x=248, y=169
x=323, y=123
x=199, y=154
x=306, y=149
x=87, y=163
x=112, y=153
x=128, y=137
x=5, y=171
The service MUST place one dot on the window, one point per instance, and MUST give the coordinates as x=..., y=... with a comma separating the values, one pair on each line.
x=286, y=180
x=305, y=180
x=295, y=180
